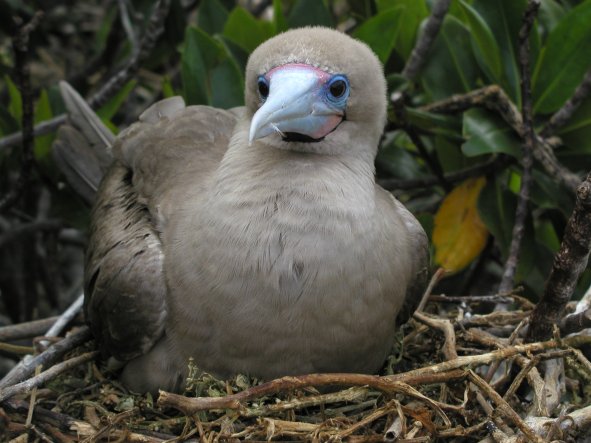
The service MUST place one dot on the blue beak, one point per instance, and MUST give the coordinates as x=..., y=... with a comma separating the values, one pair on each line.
x=299, y=101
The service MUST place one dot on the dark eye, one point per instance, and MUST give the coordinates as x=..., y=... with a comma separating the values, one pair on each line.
x=263, y=87
x=337, y=90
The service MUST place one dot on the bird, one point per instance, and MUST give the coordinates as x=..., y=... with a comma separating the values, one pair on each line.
x=255, y=240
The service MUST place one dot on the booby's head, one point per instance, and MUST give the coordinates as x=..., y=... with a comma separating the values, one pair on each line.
x=315, y=90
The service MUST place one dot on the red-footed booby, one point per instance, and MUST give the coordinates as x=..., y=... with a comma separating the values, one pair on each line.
x=256, y=240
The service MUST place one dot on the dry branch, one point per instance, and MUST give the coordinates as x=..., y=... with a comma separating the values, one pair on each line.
x=529, y=147
x=569, y=262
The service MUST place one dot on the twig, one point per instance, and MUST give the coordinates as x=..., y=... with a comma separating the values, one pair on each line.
x=153, y=31
x=529, y=146
x=25, y=368
x=115, y=83
x=387, y=384
x=26, y=329
x=20, y=46
x=437, y=276
x=503, y=406
x=437, y=373
x=569, y=262
x=43, y=128
x=445, y=326
x=27, y=385
x=494, y=99
x=418, y=56
x=68, y=315
x=576, y=322
x=564, y=114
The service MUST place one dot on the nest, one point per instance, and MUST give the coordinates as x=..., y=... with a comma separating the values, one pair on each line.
x=456, y=375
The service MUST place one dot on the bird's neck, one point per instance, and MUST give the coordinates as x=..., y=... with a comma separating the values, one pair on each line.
x=308, y=181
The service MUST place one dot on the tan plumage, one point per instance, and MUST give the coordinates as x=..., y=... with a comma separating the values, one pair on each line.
x=281, y=257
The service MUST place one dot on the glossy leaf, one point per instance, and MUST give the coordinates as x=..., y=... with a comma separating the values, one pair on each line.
x=211, y=16
x=309, y=13
x=226, y=85
x=486, y=133
x=245, y=30
x=486, y=49
x=278, y=17
x=496, y=208
x=381, y=31
x=108, y=110
x=451, y=67
x=193, y=69
x=412, y=15
x=459, y=235
x=563, y=61
x=503, y=17
x=577, y=133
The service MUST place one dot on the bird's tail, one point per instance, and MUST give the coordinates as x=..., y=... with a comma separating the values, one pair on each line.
x=82, y=148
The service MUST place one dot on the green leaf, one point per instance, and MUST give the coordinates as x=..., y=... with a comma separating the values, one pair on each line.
x=483, y=42
x=486, y=133
x=451, y=67
x=227, y=85
x=414, y=13
x=16, y=103
x=167, y=88
x=395, y=157
x=43, y=113
x=245, y=30
x=278, y=17
x=551, y=12
x=211, y=16
x=497, y=211
x=546, y=235
x=563, y=61
x=309, y=13
x=441, y=124
x=380, y=32
x=411, y=17
x=577, y=134
x=503, y=17
x=108, y=110
x=200, y=54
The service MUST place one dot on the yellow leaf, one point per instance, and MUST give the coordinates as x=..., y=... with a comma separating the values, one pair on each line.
x=459, y=235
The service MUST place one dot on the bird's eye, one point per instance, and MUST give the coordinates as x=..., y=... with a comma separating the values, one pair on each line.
x=263, y=87
x=338, y=88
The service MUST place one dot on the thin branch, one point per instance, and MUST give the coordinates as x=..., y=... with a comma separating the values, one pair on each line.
x=564, y=114
x=418, y=56
x=26, y=330
x=39, y=380
x=494, y=99
x=20, y=46
x=25, y=368
x=569, y=262
x=153, y=31
x=115, y=83
x=529, y=147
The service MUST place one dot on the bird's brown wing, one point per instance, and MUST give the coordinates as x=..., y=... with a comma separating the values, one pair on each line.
x=417, y=253
x=164, y=157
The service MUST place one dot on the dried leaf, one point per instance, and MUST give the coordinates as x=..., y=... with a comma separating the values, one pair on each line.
x=459, y=234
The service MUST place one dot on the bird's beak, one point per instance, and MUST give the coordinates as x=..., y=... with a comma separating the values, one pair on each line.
x=296, y=104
